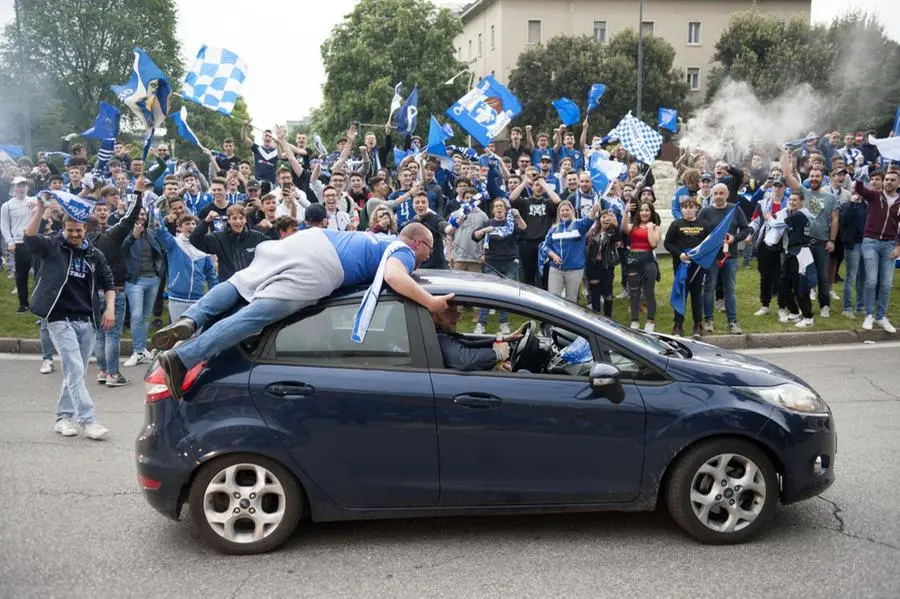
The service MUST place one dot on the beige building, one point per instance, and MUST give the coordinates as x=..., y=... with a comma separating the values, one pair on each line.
x=496, y=31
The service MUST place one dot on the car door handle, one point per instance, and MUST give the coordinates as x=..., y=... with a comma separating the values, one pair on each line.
x=290, y=390
x=477, y=400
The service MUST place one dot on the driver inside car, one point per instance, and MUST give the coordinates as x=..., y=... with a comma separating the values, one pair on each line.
x=467, y=354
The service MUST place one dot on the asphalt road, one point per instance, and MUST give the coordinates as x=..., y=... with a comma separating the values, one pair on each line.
x=73, y=523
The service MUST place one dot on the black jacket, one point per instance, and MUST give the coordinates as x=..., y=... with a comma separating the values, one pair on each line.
x=464, y=354
x=234, y=251
x=110, y=241
x=56, y=259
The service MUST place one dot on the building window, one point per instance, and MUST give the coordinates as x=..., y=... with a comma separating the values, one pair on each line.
x=534, y=32
x=459, y=53
x=694, y=33
x=647, y=28
x=480, y=52
x=600, y=31
x=693, y=78
x=470, y=48
x=492, y=37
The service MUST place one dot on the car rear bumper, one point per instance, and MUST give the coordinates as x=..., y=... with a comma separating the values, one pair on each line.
x=807, y=453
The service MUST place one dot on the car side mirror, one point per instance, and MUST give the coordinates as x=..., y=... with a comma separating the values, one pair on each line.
x=605, y=380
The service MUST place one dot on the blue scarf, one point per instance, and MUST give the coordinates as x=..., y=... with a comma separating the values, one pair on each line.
x=505, y=231
x=370, y=299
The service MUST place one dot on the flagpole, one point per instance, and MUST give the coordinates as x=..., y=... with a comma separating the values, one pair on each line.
x=26, y=108
x=640, y=58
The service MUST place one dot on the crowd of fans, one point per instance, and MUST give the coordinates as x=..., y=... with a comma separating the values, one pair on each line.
x=529, y=213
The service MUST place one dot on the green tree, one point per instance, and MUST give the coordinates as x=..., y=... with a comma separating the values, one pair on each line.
x=850, y=61
x=379, y=44
x=76, y=49
x=568, y=66
x=211, y=128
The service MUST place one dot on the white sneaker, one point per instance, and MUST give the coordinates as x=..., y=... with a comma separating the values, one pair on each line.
x=782, y=315
x=504, y=328
x=95, y=431
x=635, y=324
x=848, y=314
x=46, y=366
x=134, y=360
x=813, y=295
x=835, y=296
x=479, y=329
x=65, y=428
x=649, y=327
x=885, y=324
x=789, y=318
x=101, y=377
x=762, y=311
x=149, y=355
x=805, y=323
x=868, y=322
x=825, y=312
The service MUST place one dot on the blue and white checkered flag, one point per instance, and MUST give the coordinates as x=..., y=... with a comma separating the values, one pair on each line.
x=215, y=79
x=639, y=138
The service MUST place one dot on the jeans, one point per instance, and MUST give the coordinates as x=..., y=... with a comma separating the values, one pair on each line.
x=570, y=280
x=728, y=275
x=107, y=349
x=46, y=342
x=177, y=308
x=854, y=276
x=879, y=275
x=231, y=330
x=822, y=260
x=642, y=281
x=140, y=304
x=74, y=341
x=602, y=291
x=507, y=269
x=694, y=289
x=23, y=267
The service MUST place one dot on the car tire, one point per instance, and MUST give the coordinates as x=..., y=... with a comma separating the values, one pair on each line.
x=718, y=513
x=232, y=517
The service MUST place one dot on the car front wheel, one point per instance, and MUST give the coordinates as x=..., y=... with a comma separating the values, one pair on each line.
x=723, y=491
x=244, y=503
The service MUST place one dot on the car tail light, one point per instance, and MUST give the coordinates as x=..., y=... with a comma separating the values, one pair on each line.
x=155, y=383
x=148, y=484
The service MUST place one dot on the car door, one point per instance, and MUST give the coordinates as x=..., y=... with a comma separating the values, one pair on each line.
x=358, y=419
x=528, y=439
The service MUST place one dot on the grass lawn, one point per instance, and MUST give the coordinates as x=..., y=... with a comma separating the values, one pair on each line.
x=24, y=326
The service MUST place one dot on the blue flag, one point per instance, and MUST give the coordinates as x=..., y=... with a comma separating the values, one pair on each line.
x=76, y=207
x=104, y=155
x=603, y=171
x=704, y=255
x=147, y=143
x=147, y=93
x=400, y=155
x=568, y=111
x=106, y=124
x=12, y=151
x=897, y=123
x=184, y=130
x=485, y=110
x=406, y=116
x=667, y=118
x=437, y=135
x=594, y=95
x=215, y=79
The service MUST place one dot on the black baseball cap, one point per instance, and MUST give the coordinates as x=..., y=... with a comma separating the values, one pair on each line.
x=778, y=181
x=315, y=213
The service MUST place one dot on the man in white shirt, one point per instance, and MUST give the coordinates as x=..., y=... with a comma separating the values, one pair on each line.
x=14, y=217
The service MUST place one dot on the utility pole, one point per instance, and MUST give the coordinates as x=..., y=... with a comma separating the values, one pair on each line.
x=23, y=91
x=640, y=58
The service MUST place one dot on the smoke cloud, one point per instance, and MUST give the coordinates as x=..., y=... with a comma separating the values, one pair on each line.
x=736, y=120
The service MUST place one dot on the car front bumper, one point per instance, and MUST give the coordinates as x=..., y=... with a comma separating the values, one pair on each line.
x=806, y=447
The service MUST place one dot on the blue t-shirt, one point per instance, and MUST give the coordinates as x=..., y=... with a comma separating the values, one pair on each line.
x=196, y=203
x=573, y=154
x=404, y=210
x=265, y=160
x=360, y=254
x=538, y=152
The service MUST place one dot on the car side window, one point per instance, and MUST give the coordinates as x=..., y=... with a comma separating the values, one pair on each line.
x=323, y=339
x=629, y=368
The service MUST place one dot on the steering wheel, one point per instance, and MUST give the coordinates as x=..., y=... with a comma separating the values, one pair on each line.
x=523, y=346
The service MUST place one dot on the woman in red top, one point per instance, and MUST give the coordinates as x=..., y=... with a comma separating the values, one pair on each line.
x=642, y=268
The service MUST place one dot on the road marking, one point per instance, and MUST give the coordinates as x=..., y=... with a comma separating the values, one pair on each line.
x=821, y=348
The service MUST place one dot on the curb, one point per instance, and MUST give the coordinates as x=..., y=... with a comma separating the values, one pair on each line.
x=11, y=345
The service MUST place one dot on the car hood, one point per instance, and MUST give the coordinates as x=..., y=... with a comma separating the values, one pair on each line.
x=724, y=366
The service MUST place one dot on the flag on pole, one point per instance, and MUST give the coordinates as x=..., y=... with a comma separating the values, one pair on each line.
x=485, y=110
x=704, y=255
x=147, y=142
x=889, y=147
x=12, y=151
x=596, y=92
x=147, y=93
x=568, y=111
x=76, y=207
x=400, y=155
x=215, y=79
x=396, y=101
x=106, y=124
x=639, y=138
x=667, y=118
x=184, y=130
x=437, y=135
x=603, y=171
x=406, y=115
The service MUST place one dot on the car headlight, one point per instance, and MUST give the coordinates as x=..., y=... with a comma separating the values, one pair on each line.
x=791, y=396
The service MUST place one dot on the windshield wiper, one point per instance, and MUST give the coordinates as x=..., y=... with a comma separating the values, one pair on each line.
x=673, y=347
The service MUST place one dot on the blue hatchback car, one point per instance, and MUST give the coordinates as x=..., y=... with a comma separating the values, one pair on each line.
x=299, y=422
